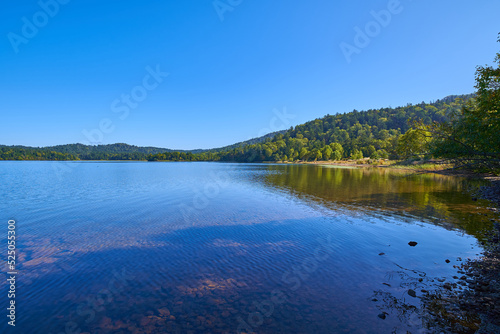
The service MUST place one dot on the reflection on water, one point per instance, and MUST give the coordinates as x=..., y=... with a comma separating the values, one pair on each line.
x=438, y=198
x=227, y=248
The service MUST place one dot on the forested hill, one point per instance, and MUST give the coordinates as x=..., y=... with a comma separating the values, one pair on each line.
x=118, y=151
x=373, y=133
x=252, y=141
x=79, y=152
x=119, y=148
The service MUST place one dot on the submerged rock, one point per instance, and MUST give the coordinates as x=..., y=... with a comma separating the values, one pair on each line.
x=412, y=293
x=412, y=243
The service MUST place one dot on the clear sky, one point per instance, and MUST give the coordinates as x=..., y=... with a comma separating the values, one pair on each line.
x=80, y=70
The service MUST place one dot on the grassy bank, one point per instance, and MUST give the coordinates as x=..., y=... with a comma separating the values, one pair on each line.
x=472, y=304
x=431, y=166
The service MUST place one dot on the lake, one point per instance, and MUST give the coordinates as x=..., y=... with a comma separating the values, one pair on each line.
x=143, y=247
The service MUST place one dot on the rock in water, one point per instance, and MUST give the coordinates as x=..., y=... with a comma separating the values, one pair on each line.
x=412, y=243
x=412, y=293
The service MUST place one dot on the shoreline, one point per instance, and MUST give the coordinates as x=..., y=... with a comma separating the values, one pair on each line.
x=472, y=304
x=435, y=170
x=449, y=171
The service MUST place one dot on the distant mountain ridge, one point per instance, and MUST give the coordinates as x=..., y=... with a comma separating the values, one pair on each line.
x=120, y=148
x=118, y=151
x=252, y=141
x=374, y=132
x=82, y=148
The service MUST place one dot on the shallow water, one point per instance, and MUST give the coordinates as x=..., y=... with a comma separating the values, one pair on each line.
x=226, y=248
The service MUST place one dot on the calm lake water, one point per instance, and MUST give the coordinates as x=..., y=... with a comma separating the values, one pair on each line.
x=228, y=248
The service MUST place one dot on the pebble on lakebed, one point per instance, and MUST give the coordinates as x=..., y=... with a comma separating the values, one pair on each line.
x=412, y=243
x=473, y=303
x=382, y=315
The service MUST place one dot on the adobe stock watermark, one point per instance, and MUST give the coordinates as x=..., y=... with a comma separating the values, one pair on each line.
x=293, y=280
x=223, y=6
x=220, y=180
x=88, y=310
x=125, y=103
x=202, y=198
x=31, y=27
x=122, y=107
x=373, y=28
x=280, y=121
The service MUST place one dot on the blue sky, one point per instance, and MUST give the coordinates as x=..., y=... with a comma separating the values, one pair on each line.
x=80, y=71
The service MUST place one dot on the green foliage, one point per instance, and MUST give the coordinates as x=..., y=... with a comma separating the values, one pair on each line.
x=414, y=142
x=337, y=155
x=471, y=136
x=179, y=156
x=333, y=137
x=327, y=152
x=338, y=151
x=303, y=153
x=79, y=152
x=379, y=154
x=29, y=153
x=317, y=154
x=252, y=141
x=356, y=154
x=119, y=148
